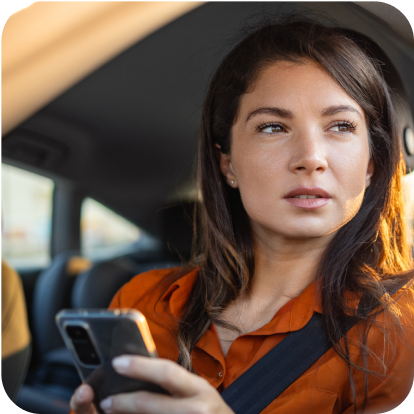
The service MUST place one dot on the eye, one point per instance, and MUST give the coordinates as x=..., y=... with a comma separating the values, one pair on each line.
x=343, y=127
x=271, y=128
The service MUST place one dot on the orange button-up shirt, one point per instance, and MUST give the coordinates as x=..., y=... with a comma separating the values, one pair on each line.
x=323, y=389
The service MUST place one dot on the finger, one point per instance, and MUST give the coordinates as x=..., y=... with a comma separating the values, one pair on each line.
x=168, y=374
x=144, y=402
x=81, y=401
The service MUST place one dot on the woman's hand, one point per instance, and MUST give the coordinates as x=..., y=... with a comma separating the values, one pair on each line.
x=190, y=394
x=82, y=400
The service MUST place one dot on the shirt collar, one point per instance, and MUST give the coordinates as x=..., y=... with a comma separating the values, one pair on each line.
x=178, y=292
x=295, y=314
x=291, y=317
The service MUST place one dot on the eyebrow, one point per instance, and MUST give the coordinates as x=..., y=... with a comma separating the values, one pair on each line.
x=335, y=109
x=285, y=113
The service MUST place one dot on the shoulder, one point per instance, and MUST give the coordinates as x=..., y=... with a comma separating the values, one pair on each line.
x=391, y=331
x=139, y=287
x=404, y=305
x=11, y=286
x=396, y=327
x=147, y=287
x=9, y=275
x=398, y=318
x=390, y=356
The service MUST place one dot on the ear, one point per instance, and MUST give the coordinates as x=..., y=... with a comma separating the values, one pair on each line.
x=226, y=167
x=370, y=171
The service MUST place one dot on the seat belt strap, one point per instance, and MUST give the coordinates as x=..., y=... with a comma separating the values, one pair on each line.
x=262, y=383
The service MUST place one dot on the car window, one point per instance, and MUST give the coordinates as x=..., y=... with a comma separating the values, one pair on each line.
x=104, y=233
x=26, y=217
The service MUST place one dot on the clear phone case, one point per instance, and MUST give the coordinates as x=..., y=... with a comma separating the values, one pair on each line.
x=112, y=333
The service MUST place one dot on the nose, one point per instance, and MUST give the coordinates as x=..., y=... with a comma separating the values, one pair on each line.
x=308, y=155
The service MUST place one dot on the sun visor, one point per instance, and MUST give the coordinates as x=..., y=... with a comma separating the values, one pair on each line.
x=50, y=46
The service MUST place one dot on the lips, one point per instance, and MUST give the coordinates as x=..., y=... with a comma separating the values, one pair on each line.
x=308, y=198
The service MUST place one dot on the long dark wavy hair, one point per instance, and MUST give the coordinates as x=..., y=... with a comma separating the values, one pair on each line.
x=368, y=255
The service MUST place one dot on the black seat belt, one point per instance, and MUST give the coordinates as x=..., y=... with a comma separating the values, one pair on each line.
x=262, y=383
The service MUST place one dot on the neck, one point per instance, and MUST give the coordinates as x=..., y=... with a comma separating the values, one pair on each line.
x=284, y=267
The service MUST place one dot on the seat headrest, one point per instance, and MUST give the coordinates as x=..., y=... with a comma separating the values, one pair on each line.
x=177, y=231
x=96, y=287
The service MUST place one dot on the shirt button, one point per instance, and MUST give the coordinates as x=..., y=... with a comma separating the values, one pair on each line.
x=220, y=374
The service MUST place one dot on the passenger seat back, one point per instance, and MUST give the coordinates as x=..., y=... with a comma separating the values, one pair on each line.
x=96, y=287
x=52, y=293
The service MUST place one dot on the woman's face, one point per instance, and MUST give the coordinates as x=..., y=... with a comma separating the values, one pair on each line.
x=299, y=154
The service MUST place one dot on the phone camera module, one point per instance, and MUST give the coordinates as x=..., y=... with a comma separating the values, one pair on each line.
x=77, y=332
x=83, y=345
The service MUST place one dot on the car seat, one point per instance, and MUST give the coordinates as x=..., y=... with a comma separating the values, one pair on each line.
x=96, y=287
x=52, y=293
x=54, y=380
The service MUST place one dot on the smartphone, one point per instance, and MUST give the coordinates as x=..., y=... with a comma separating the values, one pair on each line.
x=95, y=336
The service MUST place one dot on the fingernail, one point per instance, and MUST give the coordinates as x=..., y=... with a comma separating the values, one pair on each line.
x=106, y=404
x=81, y=394
x=121, y=363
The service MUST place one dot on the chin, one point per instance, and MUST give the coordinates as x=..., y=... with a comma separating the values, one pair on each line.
x=306, y=235
x=303, y=230
x=298, y=228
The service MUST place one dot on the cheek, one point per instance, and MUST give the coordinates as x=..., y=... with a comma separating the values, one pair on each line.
x=260, y=171
x=263, y=179
x=351, y=206
x=349, y=168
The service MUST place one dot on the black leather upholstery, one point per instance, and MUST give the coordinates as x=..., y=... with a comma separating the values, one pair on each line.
x=96, y=287
x=13, y=369
x=52, y=293
x=50, y=383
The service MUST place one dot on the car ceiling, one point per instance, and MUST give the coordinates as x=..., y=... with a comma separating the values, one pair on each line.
x=126, y=134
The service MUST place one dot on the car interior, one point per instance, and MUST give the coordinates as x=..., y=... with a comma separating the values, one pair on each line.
x=120, y=140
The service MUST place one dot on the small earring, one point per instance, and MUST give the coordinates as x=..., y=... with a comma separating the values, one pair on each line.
x=232, y=182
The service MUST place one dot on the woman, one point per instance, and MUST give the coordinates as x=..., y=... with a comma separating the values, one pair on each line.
x=301, y=212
